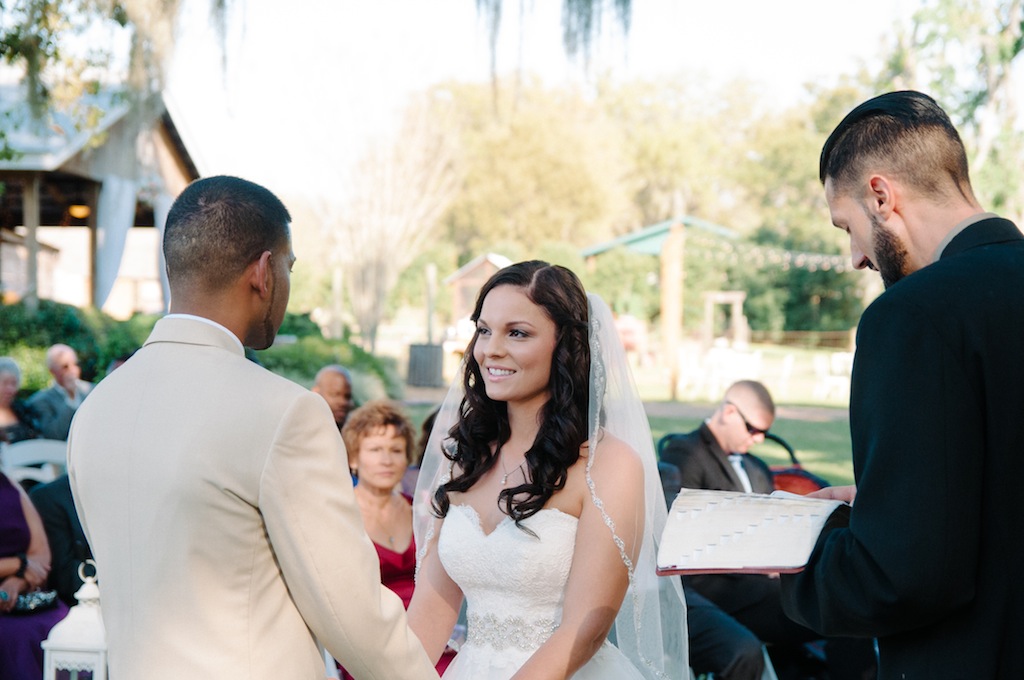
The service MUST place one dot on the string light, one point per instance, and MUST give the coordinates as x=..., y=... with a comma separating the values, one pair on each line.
x=734, y=252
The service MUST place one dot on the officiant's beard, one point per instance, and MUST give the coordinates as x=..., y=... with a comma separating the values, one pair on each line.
x=890, y=256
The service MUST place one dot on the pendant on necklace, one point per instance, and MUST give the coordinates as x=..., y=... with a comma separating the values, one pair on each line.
x=504, y=477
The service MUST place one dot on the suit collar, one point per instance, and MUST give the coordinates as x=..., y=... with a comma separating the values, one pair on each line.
x=985, y=232
x=708, y=437
x=193, y=331
x=720, y=455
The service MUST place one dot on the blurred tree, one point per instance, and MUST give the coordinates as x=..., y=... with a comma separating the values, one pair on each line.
x=581, y=22
x=546, y=167
x=410, y=289
x=627, y=281
x=395, y=197
x=679, y=142
x=560, y=253
x=67, y=48
x=779, y=176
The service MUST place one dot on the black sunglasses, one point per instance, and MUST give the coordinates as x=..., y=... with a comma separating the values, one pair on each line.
x=753, y=431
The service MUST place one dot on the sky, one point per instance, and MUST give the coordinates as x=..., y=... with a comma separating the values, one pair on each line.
x=306, y=83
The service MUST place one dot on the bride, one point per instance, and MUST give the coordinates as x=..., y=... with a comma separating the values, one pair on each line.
x=539, y=500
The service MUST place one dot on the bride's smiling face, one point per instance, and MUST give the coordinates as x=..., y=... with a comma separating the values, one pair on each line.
x=515, y=342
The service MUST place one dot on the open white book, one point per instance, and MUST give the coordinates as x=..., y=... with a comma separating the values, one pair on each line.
x=728, y=531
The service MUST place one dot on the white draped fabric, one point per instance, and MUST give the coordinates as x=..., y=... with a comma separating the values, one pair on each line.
x=115, y=215
x=161, y=206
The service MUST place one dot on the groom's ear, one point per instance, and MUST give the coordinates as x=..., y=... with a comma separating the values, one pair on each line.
x=259, y=274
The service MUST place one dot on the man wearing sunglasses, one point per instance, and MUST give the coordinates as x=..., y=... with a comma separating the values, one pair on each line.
x=716, y=456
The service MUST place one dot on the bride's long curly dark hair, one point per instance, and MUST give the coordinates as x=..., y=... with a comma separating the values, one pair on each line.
x=476, y=438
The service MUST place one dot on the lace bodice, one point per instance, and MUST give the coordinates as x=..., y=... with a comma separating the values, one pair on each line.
x=513, y=582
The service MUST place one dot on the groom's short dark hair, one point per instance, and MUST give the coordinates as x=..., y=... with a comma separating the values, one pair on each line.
x=217, y=227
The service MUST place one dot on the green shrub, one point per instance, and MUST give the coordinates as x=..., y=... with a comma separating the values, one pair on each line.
x=52, y=323
x=299, y=325
x=32, y=362
x=98, y=338
x=300, y=361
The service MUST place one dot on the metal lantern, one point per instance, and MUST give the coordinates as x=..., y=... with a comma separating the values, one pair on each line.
x=79, y=643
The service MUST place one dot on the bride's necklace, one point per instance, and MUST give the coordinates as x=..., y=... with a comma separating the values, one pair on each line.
x=504, y=477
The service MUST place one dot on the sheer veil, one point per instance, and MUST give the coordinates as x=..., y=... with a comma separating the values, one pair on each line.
x=651, y=625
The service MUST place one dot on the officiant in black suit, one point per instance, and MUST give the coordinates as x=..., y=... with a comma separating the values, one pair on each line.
x=930, y=559
x=716, y=456
x=68, y=545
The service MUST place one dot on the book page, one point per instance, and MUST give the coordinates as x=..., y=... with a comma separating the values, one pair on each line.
x=728, y=531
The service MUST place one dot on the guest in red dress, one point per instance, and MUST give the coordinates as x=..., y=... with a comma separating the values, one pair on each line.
x=379, y=439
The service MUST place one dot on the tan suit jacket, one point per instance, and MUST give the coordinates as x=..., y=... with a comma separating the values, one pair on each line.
x=217, y=500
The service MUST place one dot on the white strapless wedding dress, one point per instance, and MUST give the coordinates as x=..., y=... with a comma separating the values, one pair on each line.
x=514, y=585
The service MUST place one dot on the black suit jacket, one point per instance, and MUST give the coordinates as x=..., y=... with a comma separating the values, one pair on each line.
x=931, y=558
x=68, y=545
x=704, y=465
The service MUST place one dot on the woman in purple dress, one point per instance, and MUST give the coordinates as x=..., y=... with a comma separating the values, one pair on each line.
x=24, y=564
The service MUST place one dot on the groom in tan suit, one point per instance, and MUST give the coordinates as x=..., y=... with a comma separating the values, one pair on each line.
x=216, y=495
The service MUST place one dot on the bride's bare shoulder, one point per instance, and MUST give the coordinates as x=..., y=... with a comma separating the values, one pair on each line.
x=613, y=456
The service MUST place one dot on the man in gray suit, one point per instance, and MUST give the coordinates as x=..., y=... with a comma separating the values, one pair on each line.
x=53, y=408
x=216, y=495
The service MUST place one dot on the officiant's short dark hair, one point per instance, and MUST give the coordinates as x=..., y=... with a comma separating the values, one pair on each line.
x=218, y=226
x=903, y=133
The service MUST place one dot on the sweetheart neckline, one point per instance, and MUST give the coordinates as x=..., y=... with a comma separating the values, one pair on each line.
x=479, y=524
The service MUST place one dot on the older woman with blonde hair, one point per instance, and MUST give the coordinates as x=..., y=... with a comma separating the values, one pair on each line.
x=380, y=441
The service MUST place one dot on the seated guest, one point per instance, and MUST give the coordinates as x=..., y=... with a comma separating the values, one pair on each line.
x=15, y=420
x=334, y=384
x=68, y=545
x=716, y=456
x=54, y=407
x=24, y=566
x=412, y=474
x=379, y=440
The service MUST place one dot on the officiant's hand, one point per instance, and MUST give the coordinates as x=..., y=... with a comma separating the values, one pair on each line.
x=836, y=493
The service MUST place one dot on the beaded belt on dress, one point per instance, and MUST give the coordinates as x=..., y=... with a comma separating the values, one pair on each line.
x=502, y=632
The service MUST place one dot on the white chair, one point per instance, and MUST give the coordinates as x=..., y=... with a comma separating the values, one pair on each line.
x=34, y=460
